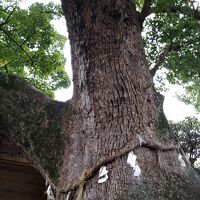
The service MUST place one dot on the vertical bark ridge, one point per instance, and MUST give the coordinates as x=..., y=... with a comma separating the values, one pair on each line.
x=114, y=99
x=110, y=77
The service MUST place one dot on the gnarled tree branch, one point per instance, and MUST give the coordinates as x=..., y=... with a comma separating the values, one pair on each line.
x=7, y=19
x=28, y=117
x=161, y=58
x=15, y=42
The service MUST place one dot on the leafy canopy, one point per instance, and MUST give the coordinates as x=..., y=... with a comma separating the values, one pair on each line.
x=172, y=42
x=30, y=47
x=188, y=132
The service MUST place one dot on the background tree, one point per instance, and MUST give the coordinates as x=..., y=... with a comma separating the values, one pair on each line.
x=172, y=35
x=114, y=113
x=30, y=46
x=188, y=132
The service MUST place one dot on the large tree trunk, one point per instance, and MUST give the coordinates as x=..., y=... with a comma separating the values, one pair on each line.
x=114, y=110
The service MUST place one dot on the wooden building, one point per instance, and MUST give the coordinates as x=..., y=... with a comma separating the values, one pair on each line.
x=18, y=179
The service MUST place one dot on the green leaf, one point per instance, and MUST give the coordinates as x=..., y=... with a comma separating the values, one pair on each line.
x=30, y=47
x=174, y=23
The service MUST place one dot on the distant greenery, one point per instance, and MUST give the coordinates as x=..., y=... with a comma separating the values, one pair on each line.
x=188, y=132
x=172, y=42
x=30, y=47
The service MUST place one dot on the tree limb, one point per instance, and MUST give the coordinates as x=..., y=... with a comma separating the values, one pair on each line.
x=146, y=11
x=7, y=19
x=19, y=45
x=161, y=58
x=28, y=117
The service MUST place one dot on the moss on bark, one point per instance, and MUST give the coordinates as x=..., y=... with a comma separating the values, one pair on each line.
x=33, y=121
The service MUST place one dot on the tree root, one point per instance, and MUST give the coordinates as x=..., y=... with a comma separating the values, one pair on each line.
x=89, y=173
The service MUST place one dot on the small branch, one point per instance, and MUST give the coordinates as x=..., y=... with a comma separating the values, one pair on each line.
x=28, y=116
x=19, y=45
x=7, y=19
x=161, y=58
x=28, y=37
x=146, y=11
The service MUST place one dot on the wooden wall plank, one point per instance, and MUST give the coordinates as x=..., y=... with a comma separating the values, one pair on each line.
x=18, y=179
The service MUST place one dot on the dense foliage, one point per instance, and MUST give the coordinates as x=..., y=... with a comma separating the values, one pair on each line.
x=30, y=47
x=188, y=132
x=172, y=42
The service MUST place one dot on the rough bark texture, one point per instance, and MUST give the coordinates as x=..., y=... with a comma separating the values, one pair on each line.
x=114, y=104
x=33, y=121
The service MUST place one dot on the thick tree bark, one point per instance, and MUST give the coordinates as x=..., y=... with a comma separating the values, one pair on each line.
x=113, y=108
x=33, y=121
x=115, y=102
